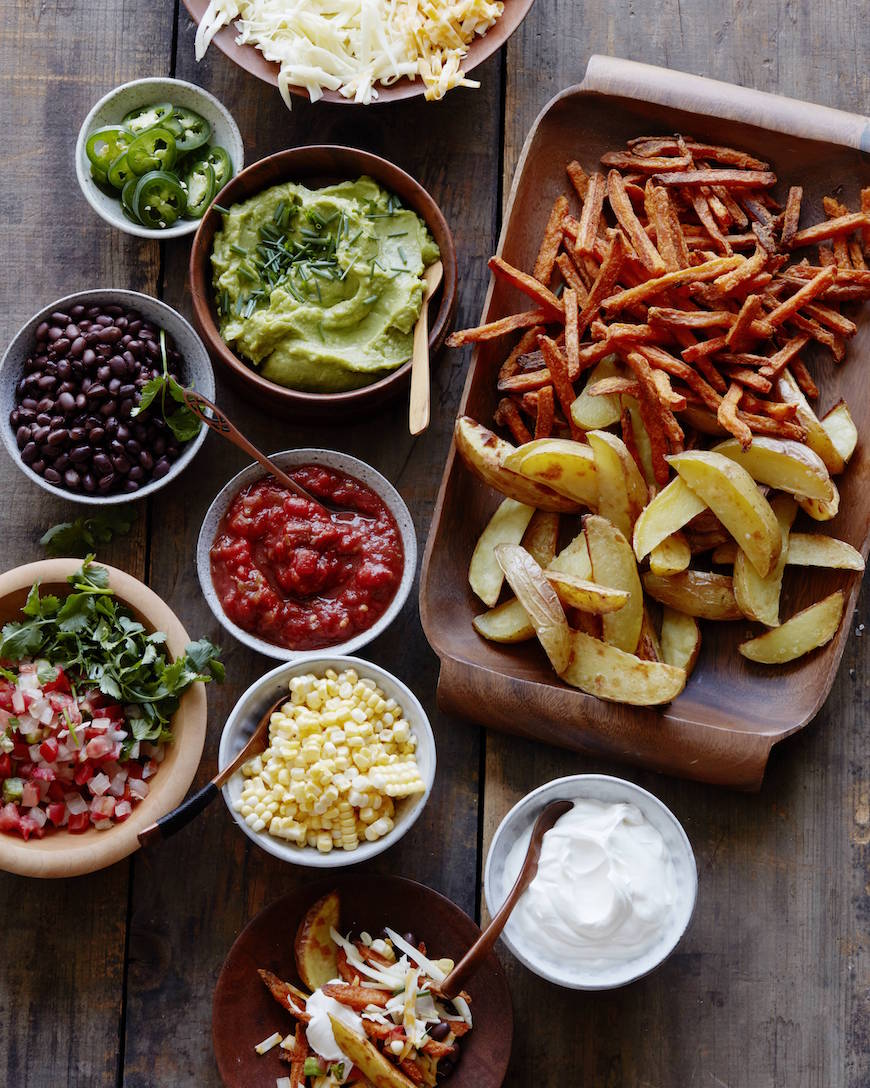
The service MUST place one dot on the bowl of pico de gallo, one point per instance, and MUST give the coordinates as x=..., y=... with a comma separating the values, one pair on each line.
x=102, y=715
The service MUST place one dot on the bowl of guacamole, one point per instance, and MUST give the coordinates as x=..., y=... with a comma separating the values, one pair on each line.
x=308, y=278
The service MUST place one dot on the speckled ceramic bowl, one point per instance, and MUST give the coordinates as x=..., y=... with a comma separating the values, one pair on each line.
x=196, y=372
x=257, y=700
x=291, y=459
x=115, y=105
x=596, y=787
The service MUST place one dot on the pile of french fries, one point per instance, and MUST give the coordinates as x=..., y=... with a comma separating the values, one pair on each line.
x=660, y=385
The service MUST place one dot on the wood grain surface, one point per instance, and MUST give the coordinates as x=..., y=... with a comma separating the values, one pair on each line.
x=108, y=979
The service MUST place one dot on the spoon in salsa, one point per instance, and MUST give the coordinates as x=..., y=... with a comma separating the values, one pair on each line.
x=473, y=958
x=209, y=414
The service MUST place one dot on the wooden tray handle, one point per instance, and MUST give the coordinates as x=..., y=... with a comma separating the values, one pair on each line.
x=697, y=94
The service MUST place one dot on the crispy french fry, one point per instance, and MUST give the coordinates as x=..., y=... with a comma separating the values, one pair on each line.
x=699, y=273
x=628, y=220
x=591, y=215
x=820, y=232
x=727, y=416
x=557, y=364
x=791, y=216
x=670, y=239
x=529, y=286
x=545, y=412
x=578, y=177
x=551, y=241
x=730, y=179
x=286, y=994
x=501, y=327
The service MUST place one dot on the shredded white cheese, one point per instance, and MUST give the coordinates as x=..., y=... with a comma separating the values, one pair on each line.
x=267, y=1044
x=349, y=46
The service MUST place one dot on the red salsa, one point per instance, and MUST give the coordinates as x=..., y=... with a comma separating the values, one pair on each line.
x=292, y=574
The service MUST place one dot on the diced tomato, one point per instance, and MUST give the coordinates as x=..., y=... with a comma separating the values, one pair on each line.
x=133, y=768
x=99, y=747
x=48, y=749
x=20, y=750
x=55, y=812
x=56, y=790
x=6, y=690
x=60, y=682
x=79, y=822
x=9, y=817
x=84, y=773
x=28, y=827
x=115, y=712
x=44, y=774
x=5, y=765
x=25, y=769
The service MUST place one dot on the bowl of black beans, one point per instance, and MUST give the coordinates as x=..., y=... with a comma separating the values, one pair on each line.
x=86, y=396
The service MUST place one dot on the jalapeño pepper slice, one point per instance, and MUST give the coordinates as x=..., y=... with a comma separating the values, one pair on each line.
x=189, y=128
x=106, y=144
x=159, y=199
x=127, y=196
x=145, y=117
x=219, y=161
x=152, y=150
x=119, y=172
x=200, y=184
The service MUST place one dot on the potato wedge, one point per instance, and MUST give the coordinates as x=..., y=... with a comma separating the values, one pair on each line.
x=695, y=592
x=641, y=439
x=508, y=622
x=671, y=556
x=542, y=536
x=759, y=597
x=649, y=647
x=815, y=550
x=614, y=565
x=566, y=466
x=821, y=509
x=805, y=631
x=587, y=596
x=673, y=507
x=506, y=526
x=314, y=948
x=817, y=437
x=680, y=639
x=783, y=464
x=733, y=496
x=365, y=1056
x=539, y=599
x=610, y=673
x=621, y=488
x=593, y=413
x=725, y=554
x=841, y=429
x=574, y=559
x=483, y=453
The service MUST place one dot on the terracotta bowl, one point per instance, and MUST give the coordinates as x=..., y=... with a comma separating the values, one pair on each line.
x=244, y=1013
x=61, y=854
x=317, y=166
x=252, y=60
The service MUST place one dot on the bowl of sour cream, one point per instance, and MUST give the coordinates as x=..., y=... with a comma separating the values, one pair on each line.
x=615, y=888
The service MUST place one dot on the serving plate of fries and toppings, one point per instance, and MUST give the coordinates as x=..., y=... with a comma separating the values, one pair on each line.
x=652, y=526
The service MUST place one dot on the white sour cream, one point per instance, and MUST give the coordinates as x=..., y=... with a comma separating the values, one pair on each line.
x=318, y=1031
x=605, y=892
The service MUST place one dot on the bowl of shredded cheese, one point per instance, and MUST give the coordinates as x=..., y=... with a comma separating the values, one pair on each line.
x=348, y=767
x=358, y=51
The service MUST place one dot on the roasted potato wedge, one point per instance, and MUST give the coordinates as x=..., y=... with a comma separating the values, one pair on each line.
x=649, y=647
x=821, y=509
x=540, y=601
x=670, y=556
x=622, y=492
x=680, y=639
x=759, y=597
x=610, y=673
x=641, y=439
x=508, y=622
x=614, y=565
x=315, y=950
x=506, y=526
x=574, y=559
x=695, y=592
x=561, y=464
x=593, y=413
x=541, y=538
x=484, y=453
x=815, y=550
x=733, y=496
x=587, y=596
x=841, y=429
x=804, y=631
x=817, y=437
x=782, y=464
x=673, y=507
x=365, y=1056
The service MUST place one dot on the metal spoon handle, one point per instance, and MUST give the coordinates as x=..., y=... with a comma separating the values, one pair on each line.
x=216, y=421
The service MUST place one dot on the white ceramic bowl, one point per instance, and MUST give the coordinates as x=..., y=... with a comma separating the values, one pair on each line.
x=257, y=700
x=597, y=787
x=115, y=105
x=291, y=459
x=196, y=372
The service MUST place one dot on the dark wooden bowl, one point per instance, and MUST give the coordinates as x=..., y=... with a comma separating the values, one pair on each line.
x=722, y=727
x=315, y=166
x=252, y=60
x=244, y=1013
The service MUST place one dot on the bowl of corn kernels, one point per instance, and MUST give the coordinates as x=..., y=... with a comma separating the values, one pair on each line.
x=348, y=768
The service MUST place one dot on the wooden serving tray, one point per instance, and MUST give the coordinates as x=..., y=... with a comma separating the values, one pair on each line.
x=722, y=727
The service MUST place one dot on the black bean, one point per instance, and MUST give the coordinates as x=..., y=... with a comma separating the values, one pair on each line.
x=88, y=482
x=130, y=486
x=42, y=331
x=77, y=434
x=445, y=1067
x=62, y=462
x=77, y=311
x=66, y=401
x=60, y=318
x=52, y=475
x=109, y=408
x=146, y=460
x=136, y=473
x=114, y=386
x=89, y=357
x=102, y=464
x=61, y=345
x=54, y=333
x=46, y=383
x=121, y=464
x=111, y=335
x=72, y=479
x=440, y=1031
x=161, y=468
x=28, y=454
x=79, y=454
x=72, y=331
x=38, y=466
x=95, y=390
x=59, y=437
x=118, y=365
x=22, y=436
x=96, y=435
x=104, y=373
x=105, y=483
x=81, y=401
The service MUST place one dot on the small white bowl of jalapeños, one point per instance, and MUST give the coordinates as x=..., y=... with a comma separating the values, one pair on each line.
x=152, y=155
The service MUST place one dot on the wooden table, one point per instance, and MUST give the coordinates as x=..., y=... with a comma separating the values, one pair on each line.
x=108, y=979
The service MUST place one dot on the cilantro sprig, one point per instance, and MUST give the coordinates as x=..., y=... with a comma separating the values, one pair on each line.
x=82, y=536
x=183, y=422
x=98, y=642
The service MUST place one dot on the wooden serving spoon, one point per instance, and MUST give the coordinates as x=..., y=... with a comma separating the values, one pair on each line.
x=418, y=413
x=180, y=817
x=215, y=419
x=473, y=958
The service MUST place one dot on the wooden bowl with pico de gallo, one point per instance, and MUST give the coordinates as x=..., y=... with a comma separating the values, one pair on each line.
x=82, y=769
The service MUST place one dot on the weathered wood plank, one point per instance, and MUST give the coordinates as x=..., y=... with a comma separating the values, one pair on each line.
x=770, y=986
x=178, y=941
x=62, y=984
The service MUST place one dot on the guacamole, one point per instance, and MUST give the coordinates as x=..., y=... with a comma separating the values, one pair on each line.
x=320, y=289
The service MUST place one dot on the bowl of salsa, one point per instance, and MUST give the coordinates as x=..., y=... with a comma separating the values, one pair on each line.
x=286, y=576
